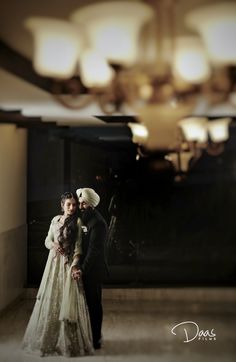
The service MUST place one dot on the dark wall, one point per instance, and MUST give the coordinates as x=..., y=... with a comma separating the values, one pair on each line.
x=161, y=231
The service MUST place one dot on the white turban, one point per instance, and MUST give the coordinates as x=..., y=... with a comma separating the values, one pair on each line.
x=89, y=196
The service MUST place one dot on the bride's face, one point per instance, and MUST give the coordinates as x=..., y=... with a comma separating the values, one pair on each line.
x=69, y=207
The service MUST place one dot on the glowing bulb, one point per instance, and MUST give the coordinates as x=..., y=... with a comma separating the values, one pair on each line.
x=112, y=28
x=190, y=61
x=139, y=132
x=57, y=46
x=216, y=24
x=94, y=70
x=194, y=128
x=219, y=129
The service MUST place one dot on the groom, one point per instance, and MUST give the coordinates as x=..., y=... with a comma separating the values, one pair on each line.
x=92, y=263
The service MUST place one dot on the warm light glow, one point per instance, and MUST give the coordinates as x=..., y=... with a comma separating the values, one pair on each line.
x=113, y=28
x=57, y=46
x=217, y=25
x=146, y=91
x=219, y=129
x=180, y=160
x=161, y=122
x=139, y=132
x=185, y=158
x=194, y=129
x=94, y=70
x=190, y=61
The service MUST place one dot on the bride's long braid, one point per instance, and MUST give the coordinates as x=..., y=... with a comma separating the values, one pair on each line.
x=69, y=230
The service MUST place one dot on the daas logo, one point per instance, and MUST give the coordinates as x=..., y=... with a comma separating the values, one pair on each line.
x=192, y=331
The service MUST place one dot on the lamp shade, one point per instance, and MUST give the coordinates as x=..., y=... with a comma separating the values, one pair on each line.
x=94, y=70
x=190, y=60
x=56, y=46
x=194, y=129
x=113, y=28
x=219, y=129
x=216, y=24
x=139, y=133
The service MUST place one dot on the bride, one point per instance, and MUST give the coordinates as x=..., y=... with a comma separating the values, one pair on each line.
x=59, y=324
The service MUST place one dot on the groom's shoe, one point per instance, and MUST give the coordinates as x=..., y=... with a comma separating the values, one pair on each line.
x=97, y=344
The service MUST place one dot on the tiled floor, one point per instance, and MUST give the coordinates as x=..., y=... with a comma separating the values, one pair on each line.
x=141, y=331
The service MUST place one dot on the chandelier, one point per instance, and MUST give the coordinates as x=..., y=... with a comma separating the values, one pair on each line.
x=129, y=54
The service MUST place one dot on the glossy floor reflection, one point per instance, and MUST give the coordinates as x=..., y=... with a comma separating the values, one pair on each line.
x=141, y=331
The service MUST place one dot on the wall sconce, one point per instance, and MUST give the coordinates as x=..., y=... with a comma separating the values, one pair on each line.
x=180, y=161
x=191, y=137
x=200, y=134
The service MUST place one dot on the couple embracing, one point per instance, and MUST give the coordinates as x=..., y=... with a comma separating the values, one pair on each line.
x=67, y=315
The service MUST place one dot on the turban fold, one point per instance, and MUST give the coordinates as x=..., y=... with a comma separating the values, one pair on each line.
x=89, y=196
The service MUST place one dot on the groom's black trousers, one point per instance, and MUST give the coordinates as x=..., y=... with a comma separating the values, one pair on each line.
x=93, y=293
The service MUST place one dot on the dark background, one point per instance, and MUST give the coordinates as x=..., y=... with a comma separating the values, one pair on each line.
x=162, y=232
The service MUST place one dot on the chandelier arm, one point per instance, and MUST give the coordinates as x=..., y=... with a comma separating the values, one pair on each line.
x=215, y=149
x=104, y=105
x=77, y=103
x=112, y=98
x=71, y=94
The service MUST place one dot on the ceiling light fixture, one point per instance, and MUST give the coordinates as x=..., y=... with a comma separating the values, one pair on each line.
x=140, y=60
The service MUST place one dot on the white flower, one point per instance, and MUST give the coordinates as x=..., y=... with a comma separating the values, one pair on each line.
x=84, y=229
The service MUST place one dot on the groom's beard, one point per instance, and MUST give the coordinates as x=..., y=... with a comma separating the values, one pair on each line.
x=86, y=215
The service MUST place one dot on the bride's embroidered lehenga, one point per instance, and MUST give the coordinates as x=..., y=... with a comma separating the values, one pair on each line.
x=59, y=323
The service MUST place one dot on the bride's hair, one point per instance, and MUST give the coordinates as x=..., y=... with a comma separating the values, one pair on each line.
x=69, y=230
